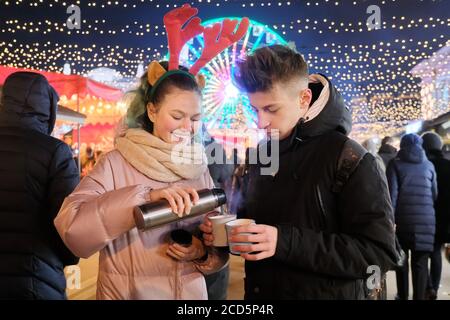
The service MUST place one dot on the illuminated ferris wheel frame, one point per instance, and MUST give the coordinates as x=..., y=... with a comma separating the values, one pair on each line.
x=224, y=105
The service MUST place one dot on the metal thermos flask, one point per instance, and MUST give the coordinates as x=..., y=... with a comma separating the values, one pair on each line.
x=159, y=213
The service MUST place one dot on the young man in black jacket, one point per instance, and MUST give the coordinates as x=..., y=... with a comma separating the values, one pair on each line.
x=37, y=173
x=310, y=241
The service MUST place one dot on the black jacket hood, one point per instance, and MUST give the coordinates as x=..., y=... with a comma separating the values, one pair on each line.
x=28, y=100
x=327, y=112
x=434, y=154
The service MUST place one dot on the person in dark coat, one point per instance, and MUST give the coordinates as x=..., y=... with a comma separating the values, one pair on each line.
x=221, y=172
x=387, y=151
x=432, y=143
x=38, y=172
x=220, y=169
x=309, y=242
x=413, y=189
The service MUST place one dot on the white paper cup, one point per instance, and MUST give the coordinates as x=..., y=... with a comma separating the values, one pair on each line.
x=219, y=232
x=236, y=223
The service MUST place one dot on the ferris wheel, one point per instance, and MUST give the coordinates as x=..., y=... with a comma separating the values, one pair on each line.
x=224, y=105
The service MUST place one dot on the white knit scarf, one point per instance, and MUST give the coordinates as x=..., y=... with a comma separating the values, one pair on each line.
x=160, y=160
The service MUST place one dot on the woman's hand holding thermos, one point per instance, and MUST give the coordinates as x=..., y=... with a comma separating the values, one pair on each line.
x=181, y=199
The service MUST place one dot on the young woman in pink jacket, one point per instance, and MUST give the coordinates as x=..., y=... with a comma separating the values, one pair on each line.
x=98, y=215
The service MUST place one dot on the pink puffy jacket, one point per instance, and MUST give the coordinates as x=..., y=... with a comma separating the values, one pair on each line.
x=98, y=216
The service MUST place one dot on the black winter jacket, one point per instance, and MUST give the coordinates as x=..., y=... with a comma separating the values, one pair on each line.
x=326, y=240
x=37, y=173
x=442, y=203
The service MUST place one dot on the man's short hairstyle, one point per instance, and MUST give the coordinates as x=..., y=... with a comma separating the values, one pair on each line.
x=269, y=65
x=387, y=140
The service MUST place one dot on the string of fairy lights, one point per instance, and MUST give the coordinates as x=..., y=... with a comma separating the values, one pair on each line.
x=372, y=69
x=157, y=4
x=142, y=29
x=348, y=58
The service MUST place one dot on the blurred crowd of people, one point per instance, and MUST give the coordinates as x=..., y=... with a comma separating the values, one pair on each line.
x=418, y=175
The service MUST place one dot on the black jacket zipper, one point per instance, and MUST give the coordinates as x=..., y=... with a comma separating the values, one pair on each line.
x=321, y=206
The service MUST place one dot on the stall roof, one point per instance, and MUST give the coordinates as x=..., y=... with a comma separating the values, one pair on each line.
x=69, y=115
x=69, y=85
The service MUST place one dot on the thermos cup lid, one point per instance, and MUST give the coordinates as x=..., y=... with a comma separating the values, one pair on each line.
x=221, y=196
